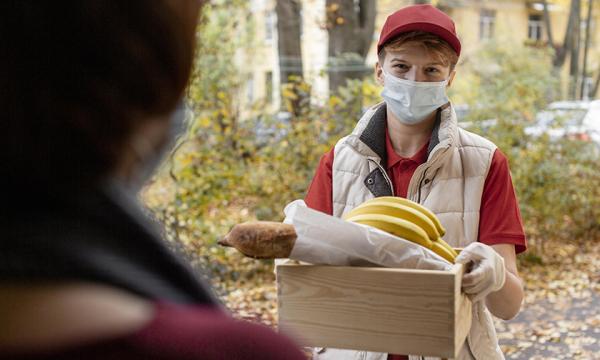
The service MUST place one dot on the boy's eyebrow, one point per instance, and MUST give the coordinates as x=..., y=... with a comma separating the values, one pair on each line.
x=438, y=63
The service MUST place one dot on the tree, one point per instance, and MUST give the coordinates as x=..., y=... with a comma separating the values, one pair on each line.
x=561, y=50
x=289, y=25
x=588, y=25
x=570, y=44
x=289, y=30
x=596, y=86
x=574, y=48
x=350, y=25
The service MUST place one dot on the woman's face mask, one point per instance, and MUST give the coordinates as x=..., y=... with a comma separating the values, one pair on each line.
x=411, y=101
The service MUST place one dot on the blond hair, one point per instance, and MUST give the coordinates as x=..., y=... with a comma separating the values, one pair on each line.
x=432, y=43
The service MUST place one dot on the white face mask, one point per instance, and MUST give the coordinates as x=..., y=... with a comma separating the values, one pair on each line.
x=410, y=101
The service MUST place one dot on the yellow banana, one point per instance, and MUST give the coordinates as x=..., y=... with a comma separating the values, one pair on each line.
x=447, y=246
x=441, y=250
x=398, y=211
x=411, y=204
x=396, y=226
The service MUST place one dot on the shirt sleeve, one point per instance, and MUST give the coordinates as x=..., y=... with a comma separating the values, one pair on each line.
x=500, y=218
x=320, y=192
x=183, y=332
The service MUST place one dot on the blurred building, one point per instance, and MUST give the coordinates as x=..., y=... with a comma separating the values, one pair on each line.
x=478, y=21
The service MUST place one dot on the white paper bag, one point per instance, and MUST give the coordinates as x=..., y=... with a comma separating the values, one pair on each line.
x=328, y=240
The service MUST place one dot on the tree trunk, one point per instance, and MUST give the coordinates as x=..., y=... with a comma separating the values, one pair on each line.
x=588, y=25
x=575, y=46
x=570, y=44
x=350, y=25
x=561, y=50
x=289, y=46
x=548, y=25
x=289, y=29
x=596, y=86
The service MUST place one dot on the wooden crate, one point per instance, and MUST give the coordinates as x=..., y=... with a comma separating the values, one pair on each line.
x=400, y=311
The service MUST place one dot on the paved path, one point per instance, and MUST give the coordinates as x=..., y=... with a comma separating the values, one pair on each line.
x=561, y=315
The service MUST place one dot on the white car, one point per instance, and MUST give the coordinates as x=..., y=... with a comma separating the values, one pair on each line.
x=573, y=119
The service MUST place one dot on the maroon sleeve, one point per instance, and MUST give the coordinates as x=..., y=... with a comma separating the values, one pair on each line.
x=184, y=333
x=200, y=333
x=320, y=192
x=500, y=218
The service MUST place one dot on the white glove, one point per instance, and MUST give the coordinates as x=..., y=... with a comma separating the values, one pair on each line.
x=486, y=274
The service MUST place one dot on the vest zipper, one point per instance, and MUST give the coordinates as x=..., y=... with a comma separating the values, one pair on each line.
x=420, y=183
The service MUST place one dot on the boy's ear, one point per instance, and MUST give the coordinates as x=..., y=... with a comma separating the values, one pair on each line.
x=379, y=73
x=451, y=78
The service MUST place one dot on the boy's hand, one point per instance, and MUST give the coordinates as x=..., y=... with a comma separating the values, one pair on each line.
x=486, y=274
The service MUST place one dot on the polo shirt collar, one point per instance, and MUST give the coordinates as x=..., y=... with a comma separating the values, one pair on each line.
x=375, y=134
x=393, y=159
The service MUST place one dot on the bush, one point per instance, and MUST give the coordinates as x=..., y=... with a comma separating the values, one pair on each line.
x=228, y=170
x=555, y=180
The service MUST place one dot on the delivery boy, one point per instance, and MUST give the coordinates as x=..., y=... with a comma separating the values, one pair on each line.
x=411, y=146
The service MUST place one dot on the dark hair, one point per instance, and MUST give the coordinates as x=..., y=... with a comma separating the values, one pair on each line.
x=78, y=77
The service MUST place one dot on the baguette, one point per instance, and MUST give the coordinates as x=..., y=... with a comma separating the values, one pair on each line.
x=261, y=239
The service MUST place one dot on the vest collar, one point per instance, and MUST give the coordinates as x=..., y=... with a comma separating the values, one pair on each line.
x=368, y=137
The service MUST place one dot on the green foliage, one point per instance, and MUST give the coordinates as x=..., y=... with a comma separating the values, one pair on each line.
x=232, y=169
x=555, y=179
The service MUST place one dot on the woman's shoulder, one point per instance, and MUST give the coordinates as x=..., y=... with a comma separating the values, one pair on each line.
x=48, y=317
x=89, y=321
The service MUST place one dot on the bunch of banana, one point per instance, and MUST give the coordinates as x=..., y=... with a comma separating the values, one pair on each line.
x=406, y=219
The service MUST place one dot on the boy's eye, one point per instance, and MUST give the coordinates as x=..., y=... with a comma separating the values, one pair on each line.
x=432, y=70
x=401, y=66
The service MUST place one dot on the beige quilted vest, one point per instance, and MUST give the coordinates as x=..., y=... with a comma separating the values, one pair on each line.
x=450, y=183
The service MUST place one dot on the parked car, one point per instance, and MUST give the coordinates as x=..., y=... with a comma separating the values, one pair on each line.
x=573, y=119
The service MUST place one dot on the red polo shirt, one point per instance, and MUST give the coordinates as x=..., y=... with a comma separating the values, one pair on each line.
x=500, y=219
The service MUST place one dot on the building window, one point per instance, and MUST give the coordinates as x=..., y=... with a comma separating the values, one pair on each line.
x=269, y=87
x=534, y=27
x=269, y=26
x=487, y=19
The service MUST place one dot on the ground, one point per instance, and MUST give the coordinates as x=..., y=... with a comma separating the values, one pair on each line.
x=559, y=318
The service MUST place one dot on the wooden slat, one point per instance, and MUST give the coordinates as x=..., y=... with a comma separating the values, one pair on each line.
x=376, y=309
x=462, y=310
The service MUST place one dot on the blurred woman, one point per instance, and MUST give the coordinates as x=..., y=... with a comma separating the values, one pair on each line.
x=87, y=91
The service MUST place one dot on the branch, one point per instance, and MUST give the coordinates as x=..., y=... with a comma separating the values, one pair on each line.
x=562, y=51
x=586, y=47
x=596, y=86
x=548, y=24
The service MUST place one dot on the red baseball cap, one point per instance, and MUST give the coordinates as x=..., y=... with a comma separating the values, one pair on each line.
x=419, y=18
